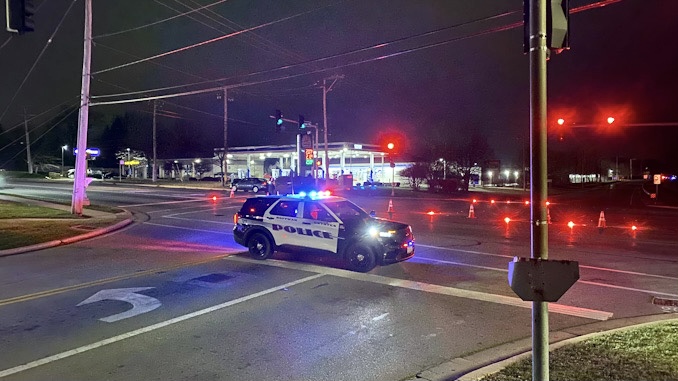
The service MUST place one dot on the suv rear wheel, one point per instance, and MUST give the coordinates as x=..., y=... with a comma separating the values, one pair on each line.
x=259, y=246
x=360, y=257
x=255, y=189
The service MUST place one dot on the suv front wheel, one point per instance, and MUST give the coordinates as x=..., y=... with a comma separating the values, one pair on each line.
x=259, y=246
x=255, y=189
x=360, y=257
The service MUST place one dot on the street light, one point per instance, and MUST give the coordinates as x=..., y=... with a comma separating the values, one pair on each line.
x=444, y=167
x=63, y=148
x=489, y=174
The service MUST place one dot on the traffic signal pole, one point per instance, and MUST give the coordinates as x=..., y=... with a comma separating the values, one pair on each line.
x=538, y=52
x=79, y=184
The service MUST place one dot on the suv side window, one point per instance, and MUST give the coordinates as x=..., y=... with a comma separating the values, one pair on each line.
x=315, y=211
x=255, y=207
x=285, y=208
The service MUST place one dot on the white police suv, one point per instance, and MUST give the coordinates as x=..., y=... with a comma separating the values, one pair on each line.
x=324, y=223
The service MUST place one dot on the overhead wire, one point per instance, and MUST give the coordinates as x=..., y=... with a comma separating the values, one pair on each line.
x=236, y=33
x=157, y=22
x=317, y=60
x=30, y=71
x=598, y=4
x=35, y=140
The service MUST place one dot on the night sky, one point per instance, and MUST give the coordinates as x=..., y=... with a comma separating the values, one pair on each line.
x=623, y=62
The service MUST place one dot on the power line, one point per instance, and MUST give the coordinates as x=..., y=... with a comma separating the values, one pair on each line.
x=316, y=60
x=49, y=41
x=157, y=22
x=598, y=4
x=41, y=114
x=211, y=40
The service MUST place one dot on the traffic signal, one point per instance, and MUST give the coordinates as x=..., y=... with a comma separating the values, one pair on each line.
x=278, y=120
x=302, y=122
x=390, y=146
x=20, y=16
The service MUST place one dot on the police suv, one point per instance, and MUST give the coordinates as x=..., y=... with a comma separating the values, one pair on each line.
x=323, y=223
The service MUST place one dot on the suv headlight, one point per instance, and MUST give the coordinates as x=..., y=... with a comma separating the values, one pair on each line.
x=374, y=232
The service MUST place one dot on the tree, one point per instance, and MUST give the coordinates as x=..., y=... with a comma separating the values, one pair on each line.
x=202, y=167
x=417, y=173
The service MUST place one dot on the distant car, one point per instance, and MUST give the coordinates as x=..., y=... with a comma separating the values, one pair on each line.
x=327, y=224
x=253, y=184
x=294, y=185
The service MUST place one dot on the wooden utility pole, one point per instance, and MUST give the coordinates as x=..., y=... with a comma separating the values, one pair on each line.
x=326, y=90
x=79, y=197
x=155, y=143
x=29, y=159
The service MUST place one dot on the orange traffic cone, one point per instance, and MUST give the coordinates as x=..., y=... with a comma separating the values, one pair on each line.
x=471, y=212
x=548, y=216
x=390, y=209
x=232, y=192
x=601, y=220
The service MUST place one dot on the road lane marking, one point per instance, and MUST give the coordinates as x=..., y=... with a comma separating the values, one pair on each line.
x=578, y=281
x=432, y=288
x=628, y=288
x=193, y=229
x=162, y=203
x=150, y=328
x=580, y=266
x=55, y=291
x=193, y=219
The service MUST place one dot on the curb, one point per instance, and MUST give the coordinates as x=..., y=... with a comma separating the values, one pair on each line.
x=489, y=361
x=58, y=242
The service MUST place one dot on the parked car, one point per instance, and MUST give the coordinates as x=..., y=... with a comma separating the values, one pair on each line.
x=253, y=184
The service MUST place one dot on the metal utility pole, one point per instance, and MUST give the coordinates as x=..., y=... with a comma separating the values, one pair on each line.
x=538, y=53
x=155, y=143
x=79, y=183
x=29, y=159
x=326, y=90
x=225, y=163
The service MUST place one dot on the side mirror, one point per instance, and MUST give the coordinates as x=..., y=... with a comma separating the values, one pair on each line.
x=373, y=213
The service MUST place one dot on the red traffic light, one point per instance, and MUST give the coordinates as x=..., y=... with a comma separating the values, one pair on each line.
x=390, y=146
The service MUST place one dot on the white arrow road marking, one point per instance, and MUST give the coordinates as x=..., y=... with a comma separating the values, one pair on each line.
x=140, y=303
x=150, y=328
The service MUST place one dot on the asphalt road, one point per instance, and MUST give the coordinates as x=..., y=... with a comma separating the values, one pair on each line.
x=203, y=310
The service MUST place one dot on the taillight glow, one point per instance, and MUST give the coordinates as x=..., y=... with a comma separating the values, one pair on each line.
x=507, y=220
x=570, y=224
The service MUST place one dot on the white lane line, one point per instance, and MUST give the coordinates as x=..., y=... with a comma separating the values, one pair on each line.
x=193, y=229
x=653, y=293
x=161, y=203
x=579, y=281
x=140, y=331
x=427, y=287
x=580, y=266
x=194, y=220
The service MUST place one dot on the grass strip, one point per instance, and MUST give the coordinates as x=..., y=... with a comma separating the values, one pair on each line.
x=647, y=353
